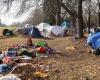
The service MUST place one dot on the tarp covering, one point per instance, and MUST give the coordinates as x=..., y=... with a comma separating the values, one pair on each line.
x=94, y=39
x=57, y=30
x=47, y=30
x=65, y=25
x=44, y=28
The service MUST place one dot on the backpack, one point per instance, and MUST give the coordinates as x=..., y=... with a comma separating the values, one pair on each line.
x=97, y=52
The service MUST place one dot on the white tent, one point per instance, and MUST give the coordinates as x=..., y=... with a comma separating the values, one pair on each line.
x=46, y=30
x=42, y=26
x=57, y=30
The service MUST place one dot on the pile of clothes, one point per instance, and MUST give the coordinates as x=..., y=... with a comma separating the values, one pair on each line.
x=26, y=52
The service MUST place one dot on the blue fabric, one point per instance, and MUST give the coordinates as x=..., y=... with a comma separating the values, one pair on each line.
x=94, y=39
x=89, y=38
x=4, y=68
x=65, y=25
x=11, y=53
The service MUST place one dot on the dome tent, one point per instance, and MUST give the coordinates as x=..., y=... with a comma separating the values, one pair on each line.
x=30, y=30
x=47, y=30
x=44, y=28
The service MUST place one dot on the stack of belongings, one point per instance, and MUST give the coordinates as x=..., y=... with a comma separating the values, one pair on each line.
x=7, y=32
x=25, y=52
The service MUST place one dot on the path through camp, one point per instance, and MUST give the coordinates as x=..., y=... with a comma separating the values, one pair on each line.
x=72, y=62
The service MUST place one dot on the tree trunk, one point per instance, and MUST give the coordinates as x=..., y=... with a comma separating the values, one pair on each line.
x=80, y=20
x=73, y=26
x=99, y=20
x=58, y=11
x=52, y=10
x=89, y=21
x=47, y=16
x=99, y=15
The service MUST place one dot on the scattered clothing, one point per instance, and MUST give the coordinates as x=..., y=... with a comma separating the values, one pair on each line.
x=1, y=62
x=7, y=32
x=10, y=77
x=41, y=44
x=4, y=68
x=7, y=59
x=12, y=54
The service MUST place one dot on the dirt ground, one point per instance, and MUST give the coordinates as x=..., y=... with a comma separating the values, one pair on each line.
x=72, y=64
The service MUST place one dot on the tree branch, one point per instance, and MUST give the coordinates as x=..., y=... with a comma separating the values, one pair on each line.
x=70, y=12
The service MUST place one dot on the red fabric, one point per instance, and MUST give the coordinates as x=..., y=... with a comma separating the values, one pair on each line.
x=42, y=50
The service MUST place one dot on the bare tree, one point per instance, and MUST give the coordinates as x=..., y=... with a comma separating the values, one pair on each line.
x=80, y=19
x=77, y=13
x=52, y=10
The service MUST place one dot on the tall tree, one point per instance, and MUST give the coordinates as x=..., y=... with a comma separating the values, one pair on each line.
x=74, y=8
x=76, y=13
x=80, y=19
x=52, y=9
x=99, y=12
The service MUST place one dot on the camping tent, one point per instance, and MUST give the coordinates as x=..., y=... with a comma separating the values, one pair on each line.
x=47, y=30
x=30, y=31
x=94, y=38
x=57, y=30
x=44, y=28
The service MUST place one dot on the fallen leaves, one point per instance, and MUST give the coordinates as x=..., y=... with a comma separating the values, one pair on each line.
x=71, y=48
x=40, y=74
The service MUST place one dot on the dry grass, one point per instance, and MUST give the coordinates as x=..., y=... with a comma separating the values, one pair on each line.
x=77, y=64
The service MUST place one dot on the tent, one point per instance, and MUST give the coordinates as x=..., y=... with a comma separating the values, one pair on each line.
x=94, y=39
x=47, y=30
x=30, y=31
x=44, y=28
x=57, y=30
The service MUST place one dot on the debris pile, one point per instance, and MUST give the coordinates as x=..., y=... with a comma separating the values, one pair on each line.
x=26, y=61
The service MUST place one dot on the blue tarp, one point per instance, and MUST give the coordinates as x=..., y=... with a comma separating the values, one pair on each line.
x=89, y=38
x=65, y=25
x=94, y=38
